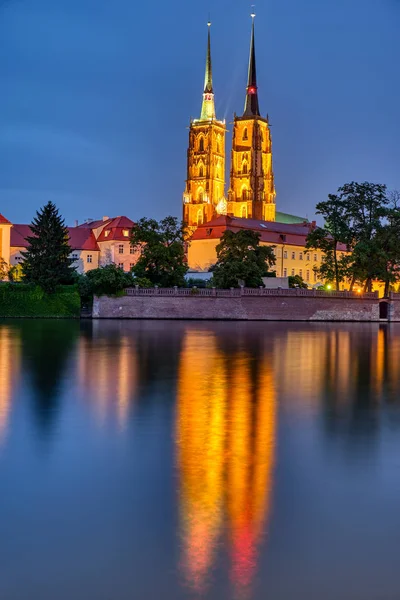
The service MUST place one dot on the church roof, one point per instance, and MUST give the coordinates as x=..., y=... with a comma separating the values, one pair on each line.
x=271, y=232
x=251, y=108
x=289, y=219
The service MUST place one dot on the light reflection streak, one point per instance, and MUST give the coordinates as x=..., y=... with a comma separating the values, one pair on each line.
x=225, y=440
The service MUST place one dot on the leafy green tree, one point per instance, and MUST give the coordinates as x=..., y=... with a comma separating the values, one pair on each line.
x=241, y=258
x=386, y=258
x=162, y=251
x=4, y=269
x=335, y=231
x=108, y=280
x=365, y=210
x=295, y=281
x=15, y=273
x=47, y=260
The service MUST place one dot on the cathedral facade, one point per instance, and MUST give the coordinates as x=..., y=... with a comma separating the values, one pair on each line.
x=251, y=193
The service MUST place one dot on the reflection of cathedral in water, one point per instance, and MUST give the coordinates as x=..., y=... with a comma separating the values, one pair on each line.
x=226, y=443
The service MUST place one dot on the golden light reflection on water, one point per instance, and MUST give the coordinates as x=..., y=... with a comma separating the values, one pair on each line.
x=110, y=376
x=10, y=356
x=226, y=441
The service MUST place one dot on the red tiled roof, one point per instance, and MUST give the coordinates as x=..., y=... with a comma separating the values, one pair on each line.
x=19, y=233
x=79, y=239
x=93, y=224
x=82, y=239
x=116, y=227
x=4, y=221
x=271, y=232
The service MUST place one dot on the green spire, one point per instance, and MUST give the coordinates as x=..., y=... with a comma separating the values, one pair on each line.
x=208, y=108
x=251, y=107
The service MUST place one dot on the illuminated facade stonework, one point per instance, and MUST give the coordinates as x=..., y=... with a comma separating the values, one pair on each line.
x=205, y=180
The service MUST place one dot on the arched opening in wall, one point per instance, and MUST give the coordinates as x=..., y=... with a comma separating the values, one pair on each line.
x=244, y=168
x=244, y=193
x=383, y=309
x=200, y=195
x=201, y=171
x=244, y=212
x=201, y=144
x=245, y=134
x=199, y=217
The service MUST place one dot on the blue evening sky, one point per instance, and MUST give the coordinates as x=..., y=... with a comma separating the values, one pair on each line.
x=96, y=97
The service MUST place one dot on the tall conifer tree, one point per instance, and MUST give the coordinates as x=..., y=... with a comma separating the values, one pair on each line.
x=47, y=260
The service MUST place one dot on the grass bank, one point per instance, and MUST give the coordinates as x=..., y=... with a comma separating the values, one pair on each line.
x=25, y=300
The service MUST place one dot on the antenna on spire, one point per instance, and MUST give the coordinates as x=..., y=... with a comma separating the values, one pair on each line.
x=253, y=11
x=209, y=20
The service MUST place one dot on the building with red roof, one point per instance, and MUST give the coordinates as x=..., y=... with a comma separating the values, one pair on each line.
x=287, y=239
x=93, y=243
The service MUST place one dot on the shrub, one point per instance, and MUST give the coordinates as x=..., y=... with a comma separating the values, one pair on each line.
x=109, y=280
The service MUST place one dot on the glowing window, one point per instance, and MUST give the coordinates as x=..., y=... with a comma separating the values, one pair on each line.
x=199, y=217
x=201, y=145
x=201, y=172
x=245, y=134
x=126, y=232
x=107, y=233
x=244, y=212
x=244, y=169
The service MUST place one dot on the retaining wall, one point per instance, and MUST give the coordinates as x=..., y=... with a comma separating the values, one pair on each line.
x=252, y=305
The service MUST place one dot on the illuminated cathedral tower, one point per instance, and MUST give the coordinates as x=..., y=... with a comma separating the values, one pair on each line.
x=252, y=189
x=205, y=181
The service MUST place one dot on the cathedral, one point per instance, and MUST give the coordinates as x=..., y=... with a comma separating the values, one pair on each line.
x=249, y=203
x=251, y=193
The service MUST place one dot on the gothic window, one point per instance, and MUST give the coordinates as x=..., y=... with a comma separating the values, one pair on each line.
x=199, y=217
x=244, y=212
x=200, y=195
x=244, y=168
x=244, y=193
x=201, y=145
x=201, y=172
x=245, y=134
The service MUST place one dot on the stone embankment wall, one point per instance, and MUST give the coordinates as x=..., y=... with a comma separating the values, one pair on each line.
x=245, y=304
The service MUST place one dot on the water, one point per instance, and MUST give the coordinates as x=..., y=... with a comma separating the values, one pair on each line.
x=174, y=460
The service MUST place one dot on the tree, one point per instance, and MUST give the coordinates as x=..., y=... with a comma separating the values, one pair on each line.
x=4, y=269
x=15, y=273
x=365, y=209
x=241, y=258
x=295, y=281
x=106, y=280
x=47, y=260
x=162, y=251
x=335, y=231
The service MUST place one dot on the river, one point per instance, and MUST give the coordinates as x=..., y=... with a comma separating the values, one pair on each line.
x=179, y=460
